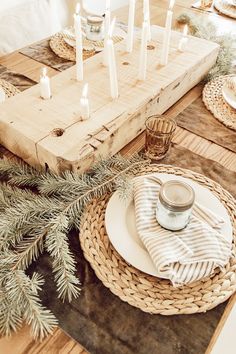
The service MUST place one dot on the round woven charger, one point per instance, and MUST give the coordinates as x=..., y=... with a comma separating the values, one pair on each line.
x=10, y=90
x=146, y=292
x=64, y=50
x=214, y=102
x=225, y=7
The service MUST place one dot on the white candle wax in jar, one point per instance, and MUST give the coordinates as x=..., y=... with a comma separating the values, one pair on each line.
x=130, y=33
x=146, y=16
x=184, y=40
x=2, y=95
x=106, y=36
x=174, y=205
x=84, y=103
x=167, y=35
x=143, y=52
x=79, y=45
x=45, y=89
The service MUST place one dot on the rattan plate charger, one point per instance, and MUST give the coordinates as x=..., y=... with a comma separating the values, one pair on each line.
x=148, y=293
x=215, y=103
x=65, y=51
x=225, y=7
x=10, y=90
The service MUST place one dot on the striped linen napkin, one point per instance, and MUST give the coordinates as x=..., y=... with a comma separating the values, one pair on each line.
x=181, y=256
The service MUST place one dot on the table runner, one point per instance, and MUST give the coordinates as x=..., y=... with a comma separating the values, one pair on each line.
x=42, y=53
x=198, y=120
x=102, y=323
x=18, y=80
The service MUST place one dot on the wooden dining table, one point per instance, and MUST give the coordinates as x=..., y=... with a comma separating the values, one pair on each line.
x=59, y=341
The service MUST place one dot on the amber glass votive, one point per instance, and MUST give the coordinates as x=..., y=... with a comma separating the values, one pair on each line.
x=159, y=132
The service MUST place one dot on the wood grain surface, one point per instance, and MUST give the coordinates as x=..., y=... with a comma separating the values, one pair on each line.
x=22, y=343
x=113, y=123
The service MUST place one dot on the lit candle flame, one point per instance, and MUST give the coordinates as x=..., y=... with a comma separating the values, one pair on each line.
x=85, y=91
x=171, y=4
x=77, y=9
x=112, y=26
x=185, y=31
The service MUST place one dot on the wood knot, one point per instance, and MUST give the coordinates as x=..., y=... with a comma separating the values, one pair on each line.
x=57, y=132
x=150, y=47
x=125, y=63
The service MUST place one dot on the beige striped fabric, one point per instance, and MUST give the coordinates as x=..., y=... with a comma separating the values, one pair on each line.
x=181, y=256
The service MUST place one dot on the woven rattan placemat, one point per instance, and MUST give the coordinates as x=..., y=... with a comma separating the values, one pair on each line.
x=9, y=89
x=214, y=101
x=65, y=51
x=146, y=292
x=226, y=7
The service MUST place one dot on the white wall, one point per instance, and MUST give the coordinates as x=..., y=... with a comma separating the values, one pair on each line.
x=98, y=6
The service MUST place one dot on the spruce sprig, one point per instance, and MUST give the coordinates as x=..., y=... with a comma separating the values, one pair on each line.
x=37, y=211
x=205, y=28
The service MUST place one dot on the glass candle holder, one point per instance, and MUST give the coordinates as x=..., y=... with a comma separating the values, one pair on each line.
x=159, y=132
x=95, y=28
x=174, y=205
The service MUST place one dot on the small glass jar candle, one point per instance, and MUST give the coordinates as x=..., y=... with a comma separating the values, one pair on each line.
x=95, y=28
x=174, y=205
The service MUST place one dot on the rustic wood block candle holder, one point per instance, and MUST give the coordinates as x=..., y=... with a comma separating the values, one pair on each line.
x=28, y=123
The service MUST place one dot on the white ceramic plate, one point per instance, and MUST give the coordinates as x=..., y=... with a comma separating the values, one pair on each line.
x=229, y=96
x=69, y=38
x=121, y=226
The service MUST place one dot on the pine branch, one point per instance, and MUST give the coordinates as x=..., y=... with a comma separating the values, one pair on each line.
x=20, y=173
x=31, y=223
x=64, y=266
x=10, y=315
x=29, y=251
x=25, y=296
x=207, y=30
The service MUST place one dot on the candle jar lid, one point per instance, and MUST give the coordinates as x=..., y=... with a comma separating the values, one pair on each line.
x=95, y=20
x=176, y=196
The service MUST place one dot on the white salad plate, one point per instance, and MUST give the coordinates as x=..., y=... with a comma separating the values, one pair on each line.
x=69, y=38
x=229, y=96
x=121, y=225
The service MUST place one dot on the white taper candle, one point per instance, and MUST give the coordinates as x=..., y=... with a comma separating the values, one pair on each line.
x=84, y=103
x=146, y=16
x=130, y=33
x=79, y=45
x=184, y=40
x=112, y=63
x=45, y=89
x=143, y=53
x=106, y=31
x=167, y=35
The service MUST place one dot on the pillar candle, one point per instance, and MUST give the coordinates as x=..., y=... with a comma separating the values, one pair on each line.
x=143, y=52
x=184, y=40
x=167, y=35
x=2, y=95
x=130, y=33
x=112, y=63
x=106, y=32
x=84, y=103
x=45, y=90
x=146, y=16
x=79, y=45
